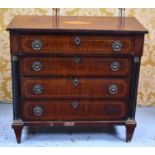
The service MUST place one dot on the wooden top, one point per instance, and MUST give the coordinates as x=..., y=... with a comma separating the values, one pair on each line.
x=77, y=24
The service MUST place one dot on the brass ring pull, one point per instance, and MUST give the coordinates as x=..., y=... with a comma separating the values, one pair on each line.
x=36, y=45
x=115, y=66
x=36, y=66
x=38, y=111
x=38, y=89
x=117, y=46
x=113, y=89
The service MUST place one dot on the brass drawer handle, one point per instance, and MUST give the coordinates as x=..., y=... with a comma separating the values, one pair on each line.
x=36, y=45
x=38, y=89
x=38, y=111
x=77, y=60
x=77, y=40
x=37, y=66
x=75, y=82
x=113, y=89
x=117, y=46
x=115, y=66
x=74, y=104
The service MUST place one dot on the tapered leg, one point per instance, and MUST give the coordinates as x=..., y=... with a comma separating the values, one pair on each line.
x=18, y=126
x=130, y=127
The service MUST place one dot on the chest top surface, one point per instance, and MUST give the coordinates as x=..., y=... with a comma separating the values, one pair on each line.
x=118, y=25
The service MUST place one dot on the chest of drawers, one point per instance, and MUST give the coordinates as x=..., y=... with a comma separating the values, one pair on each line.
x=83, y=71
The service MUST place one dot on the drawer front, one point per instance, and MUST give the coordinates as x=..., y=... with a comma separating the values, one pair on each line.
x=74, y=110
x=75, y=66
x=74, y=88
x=72, y=44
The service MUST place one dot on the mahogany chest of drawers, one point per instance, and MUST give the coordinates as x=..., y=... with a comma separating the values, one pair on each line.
x=79, y=71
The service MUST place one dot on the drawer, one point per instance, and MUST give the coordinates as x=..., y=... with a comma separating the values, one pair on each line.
x=74, y=88
x=72, y=44
x=75, y=66
x=74, y=110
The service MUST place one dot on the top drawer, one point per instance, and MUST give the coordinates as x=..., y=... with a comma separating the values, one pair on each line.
x=72, y=44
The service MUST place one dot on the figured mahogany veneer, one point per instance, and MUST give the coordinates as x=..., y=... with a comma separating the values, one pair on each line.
x=66, y=44
x=85, y=110
x=75, y=66
x=82, y=71
x=64, y=88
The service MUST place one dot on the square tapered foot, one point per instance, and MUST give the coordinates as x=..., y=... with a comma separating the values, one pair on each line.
x=17, y=125
x=130, y=125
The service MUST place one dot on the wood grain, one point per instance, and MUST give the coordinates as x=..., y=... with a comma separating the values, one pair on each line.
x=85, y=24
x=68, y=67
x=64, y=88
x=87, y=110
x=66, y=44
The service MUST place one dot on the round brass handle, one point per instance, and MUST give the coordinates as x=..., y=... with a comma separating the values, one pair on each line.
x=115, y=66
x=37, y=66
x=36, y=45
x=75, y=82
x=77, y=60
x=77, y=40
x=117, y=46
x=75, y=104
x=38, y=89
x=38, y=111
x=113, y=89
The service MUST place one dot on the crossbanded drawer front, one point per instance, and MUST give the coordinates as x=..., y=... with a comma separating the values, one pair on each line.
x=74, y=110
x=75, y=66
x=79, y=44
x=74, y=88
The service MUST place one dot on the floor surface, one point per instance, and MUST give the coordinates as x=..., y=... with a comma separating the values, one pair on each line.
x=144, y=134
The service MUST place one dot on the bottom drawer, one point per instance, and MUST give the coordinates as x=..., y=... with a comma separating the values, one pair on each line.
x=74, y=110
